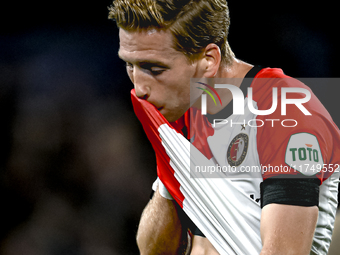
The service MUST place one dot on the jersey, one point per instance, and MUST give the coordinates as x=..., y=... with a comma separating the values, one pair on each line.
x=261, y=147
x=267, y=144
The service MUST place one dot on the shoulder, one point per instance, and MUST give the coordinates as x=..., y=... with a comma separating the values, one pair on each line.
x=270, y=73
x=313, y=135
x=273, y=85
x=270, y=79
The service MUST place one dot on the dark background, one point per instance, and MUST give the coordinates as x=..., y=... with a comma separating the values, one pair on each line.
x=75, y=166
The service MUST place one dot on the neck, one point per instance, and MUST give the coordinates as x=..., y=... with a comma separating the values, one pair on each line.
x=236, y=71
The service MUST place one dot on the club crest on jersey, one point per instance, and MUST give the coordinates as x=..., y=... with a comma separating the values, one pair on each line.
x=237, y=149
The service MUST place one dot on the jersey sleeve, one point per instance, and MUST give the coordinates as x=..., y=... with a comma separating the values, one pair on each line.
x=294, y=144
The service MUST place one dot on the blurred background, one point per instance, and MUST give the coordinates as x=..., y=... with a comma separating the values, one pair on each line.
x=75, y=166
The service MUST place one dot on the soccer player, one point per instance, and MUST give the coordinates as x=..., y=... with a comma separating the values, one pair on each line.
x=166, y=43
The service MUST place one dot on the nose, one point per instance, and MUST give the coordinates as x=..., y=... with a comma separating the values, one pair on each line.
x=141, y=84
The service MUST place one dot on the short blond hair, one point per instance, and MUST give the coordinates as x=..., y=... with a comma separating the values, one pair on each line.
x=193, y=23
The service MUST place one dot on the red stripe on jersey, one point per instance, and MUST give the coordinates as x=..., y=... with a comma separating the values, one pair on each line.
x=151, y=120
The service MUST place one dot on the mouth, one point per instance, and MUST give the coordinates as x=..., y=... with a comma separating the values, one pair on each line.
x=159, y=108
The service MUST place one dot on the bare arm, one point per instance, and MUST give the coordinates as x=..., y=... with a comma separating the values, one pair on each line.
x=160, y=230
x=287, y=229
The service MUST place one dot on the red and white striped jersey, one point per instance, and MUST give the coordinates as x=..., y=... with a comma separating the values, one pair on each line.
x=243, y=151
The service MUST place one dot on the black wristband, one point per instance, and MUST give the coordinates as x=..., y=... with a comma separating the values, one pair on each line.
x=290, y=191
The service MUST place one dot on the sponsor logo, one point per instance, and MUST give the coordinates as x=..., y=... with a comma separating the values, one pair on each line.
x=311, y=155
x=303, y=153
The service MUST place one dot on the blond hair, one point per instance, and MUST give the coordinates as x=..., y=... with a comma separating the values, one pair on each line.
x=193, y=23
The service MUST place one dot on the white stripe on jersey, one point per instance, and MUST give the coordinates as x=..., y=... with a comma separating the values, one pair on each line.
x=225, y=214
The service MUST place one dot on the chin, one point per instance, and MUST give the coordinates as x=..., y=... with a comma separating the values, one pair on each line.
x=170, y=117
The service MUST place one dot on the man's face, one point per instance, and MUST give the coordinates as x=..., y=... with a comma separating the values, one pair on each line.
x=160, y=74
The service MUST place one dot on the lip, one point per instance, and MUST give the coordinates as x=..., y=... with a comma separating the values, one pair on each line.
x=156, y=105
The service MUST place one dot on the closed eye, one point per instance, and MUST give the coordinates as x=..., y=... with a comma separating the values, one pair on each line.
x=157, y=70
x=148, y=67
x=154, y=69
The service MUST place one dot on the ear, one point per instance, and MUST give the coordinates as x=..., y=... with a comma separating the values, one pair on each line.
x=211, y=60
